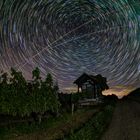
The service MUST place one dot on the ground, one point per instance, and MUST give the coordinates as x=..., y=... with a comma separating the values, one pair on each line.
x=125, y=124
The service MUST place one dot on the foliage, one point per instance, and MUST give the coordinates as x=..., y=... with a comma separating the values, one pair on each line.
x=22, y=98
x=73, y=97
x=54, y=125
x=67, y=100
x=95, y=127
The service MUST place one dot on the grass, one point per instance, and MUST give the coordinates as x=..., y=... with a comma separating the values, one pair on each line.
x=94, y=129
x=84, y=124
x=51, y=128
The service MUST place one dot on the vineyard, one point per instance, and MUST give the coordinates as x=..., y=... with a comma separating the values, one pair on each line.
x=37, y=105
x=19, y=97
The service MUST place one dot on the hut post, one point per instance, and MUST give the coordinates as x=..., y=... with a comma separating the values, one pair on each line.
x=94, y=92
x=78, y=88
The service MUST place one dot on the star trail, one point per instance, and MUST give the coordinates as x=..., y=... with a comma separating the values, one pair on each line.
x=69, y=37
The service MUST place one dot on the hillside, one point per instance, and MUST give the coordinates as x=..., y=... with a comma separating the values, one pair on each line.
x=125, y=124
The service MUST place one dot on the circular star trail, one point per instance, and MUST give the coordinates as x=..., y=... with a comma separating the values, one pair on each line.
x=69, y=37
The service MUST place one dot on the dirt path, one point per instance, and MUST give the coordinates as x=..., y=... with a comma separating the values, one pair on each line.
x=125, y=124
x=58, y=130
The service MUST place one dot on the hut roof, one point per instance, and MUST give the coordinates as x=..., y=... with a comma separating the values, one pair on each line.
x=98, y=79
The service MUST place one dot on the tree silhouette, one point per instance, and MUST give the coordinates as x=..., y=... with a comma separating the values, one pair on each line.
x=17, y=97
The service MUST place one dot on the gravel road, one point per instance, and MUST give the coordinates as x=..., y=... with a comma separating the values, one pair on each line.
x=125, y=124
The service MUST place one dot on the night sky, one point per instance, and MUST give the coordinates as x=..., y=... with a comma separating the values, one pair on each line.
x=69, y=37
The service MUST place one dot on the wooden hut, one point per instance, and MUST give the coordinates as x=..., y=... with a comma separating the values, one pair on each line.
x=92, y=85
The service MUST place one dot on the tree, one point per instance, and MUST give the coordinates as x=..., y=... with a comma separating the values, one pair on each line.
x=56, y=87
x=49, y=80
x=43, y=96
x=18, y=91
x=4, y=90
x=15, y=98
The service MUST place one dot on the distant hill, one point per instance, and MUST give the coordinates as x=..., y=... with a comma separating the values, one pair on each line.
x=134, y=95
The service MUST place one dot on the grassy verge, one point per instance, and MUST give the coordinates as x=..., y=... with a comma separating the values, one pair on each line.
x=50, y=129
x=94, y=129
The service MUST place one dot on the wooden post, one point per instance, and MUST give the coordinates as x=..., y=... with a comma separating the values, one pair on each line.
x=94, y=91
x=72, y=109
x=78, y=88
x=86, y=88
